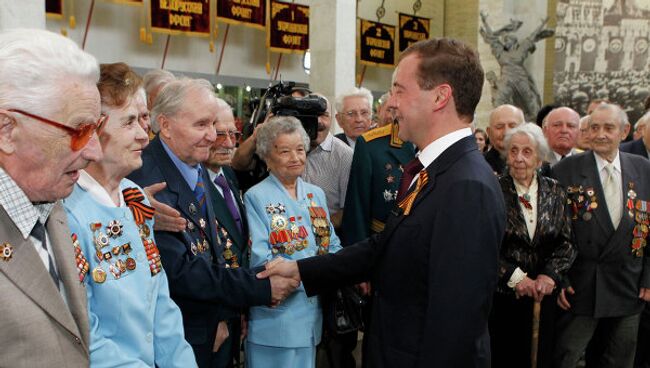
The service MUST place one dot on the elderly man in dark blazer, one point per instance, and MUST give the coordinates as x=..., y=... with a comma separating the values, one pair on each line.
x=609, y=282
x=49, y=111
x=434, y=266
x=201, y=281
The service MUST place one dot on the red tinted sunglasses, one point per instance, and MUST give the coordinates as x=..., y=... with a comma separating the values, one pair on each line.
x=80, y=136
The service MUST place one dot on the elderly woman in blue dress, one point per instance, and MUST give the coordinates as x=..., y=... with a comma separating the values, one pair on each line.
x=288, y=218
x=133, y=321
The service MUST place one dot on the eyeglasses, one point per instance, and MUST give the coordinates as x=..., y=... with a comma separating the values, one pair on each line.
x=364, y=114
x=80, y=136
x=233, y=135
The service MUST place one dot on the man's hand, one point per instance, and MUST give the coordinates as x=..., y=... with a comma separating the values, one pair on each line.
x=279, y=267
x=364, y=288
x=526, y=287
x=281, y=288
x=645, y=294
x=562, y=301
x=544, y=285
x=166, y=218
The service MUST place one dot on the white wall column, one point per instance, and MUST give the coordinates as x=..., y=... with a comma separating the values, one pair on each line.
x=22, y=14
x=332, y=43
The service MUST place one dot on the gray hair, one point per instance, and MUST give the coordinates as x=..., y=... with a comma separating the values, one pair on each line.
x=171, y=98
x=268, y=132
x=534, y=133
x=35, y=64
x=384, y=98
x=621, y=115
x=156, y=78
x=354, y=92
x=643, y=120
x=222, y=104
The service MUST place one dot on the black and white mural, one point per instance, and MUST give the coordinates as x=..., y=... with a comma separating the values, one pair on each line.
x=601, y=49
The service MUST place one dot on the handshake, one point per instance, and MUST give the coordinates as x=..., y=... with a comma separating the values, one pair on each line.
x=284, y=277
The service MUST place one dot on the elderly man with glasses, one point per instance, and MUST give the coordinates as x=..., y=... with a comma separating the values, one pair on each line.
x=49, y=112
x=354, y=114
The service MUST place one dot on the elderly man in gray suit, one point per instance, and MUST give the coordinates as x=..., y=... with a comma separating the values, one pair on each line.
x=609, y=283
x=49, y=112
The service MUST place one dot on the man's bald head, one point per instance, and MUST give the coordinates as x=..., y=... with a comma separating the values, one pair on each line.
x=561, y=127
x=502, y=119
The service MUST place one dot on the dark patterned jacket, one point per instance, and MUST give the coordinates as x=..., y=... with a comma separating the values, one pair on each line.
x=551, y=251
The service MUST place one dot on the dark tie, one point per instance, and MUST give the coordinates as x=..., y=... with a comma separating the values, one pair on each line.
x=221, y=181
x=38, y=232
x=410, y=170
x=199, y=193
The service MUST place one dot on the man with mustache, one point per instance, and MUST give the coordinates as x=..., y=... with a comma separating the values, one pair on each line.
x=609, y=282
x=561, y=128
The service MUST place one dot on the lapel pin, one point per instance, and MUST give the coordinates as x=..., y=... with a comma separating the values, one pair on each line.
x=6, y=251
x=192, y=209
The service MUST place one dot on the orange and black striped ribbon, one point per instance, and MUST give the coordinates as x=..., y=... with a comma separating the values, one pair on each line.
x=407, y=202
x=133, y=198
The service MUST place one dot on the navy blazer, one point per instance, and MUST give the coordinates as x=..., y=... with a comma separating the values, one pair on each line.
x=433, y=271
x=342, y=137
x=606, y=275
x=636, y=147
x=199, y=283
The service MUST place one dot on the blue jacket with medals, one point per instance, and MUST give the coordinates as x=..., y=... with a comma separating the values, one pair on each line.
x=294, y=229
x=133, y=321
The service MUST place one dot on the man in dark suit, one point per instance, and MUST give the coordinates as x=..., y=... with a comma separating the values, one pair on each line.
x=639, y=146
x=502, y=119
x=199, y=280
x=609, y=281
x=434, y=267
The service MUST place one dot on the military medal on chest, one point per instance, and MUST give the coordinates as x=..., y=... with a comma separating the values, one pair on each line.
x=80, y=259
x=320, y=225
x=287, y=236
x=582, y=202
x=638, y=211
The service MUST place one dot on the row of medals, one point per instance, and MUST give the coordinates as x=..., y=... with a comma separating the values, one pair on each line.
x=120, y=266
x=640, y=216
x=200, y=246
x=581, y=200
x=321, y=228
x=298, y=240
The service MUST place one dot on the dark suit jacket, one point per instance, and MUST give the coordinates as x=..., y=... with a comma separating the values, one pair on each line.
x=551, y=251
x=433, y=272
x=342, y=137
x=199, y=283
x=636, y=147
x=497, y=163
x=606, y=275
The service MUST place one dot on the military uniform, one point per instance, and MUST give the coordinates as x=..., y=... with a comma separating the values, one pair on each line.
x=374, y=179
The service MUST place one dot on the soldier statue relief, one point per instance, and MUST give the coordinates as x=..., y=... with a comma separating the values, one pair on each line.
x=515, y=86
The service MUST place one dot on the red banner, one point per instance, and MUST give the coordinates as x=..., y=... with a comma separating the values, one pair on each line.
x=288, y=27
x=54, y=9
x=377, y=44
x=191, y=17
x=251, y=13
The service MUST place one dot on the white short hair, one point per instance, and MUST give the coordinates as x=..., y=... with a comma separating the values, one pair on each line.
x=171, y=98
x=35, y=64
x=354, y=92
x=621, y=115
x=155, y=78
x=536, y=136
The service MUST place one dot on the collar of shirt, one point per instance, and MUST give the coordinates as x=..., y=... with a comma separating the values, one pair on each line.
x=431, y=152
x=351, y=141
x=213, y=174
x=531, y=190
x=19, y=208
x=189, y=173
x=326, y=144
x=601, y=162
x=558, y=156
x=97, y=191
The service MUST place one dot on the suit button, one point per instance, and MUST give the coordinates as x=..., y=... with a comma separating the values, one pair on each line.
x=149, y=337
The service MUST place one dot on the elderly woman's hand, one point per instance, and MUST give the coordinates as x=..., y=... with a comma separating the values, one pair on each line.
x=544, y=285
x=526, y=287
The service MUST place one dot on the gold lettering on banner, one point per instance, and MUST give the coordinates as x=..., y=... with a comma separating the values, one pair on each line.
x=414, y=35
x=376, y=42
x=181, y=6
x=293, y=28
x=377, y=53
x=241, y=12
x=292, y=40
x=180, y=20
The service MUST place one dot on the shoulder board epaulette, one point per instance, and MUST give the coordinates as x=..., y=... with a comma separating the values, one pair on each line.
x=394, y=139
x=377, y=133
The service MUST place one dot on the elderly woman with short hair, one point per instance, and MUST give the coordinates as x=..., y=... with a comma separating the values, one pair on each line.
x=288, y=218
x=133, y=321
x=535, y=253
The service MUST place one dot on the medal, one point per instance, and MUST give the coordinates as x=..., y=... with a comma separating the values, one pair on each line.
x=6, y=251
x=593, y=205
x=202, y=223
x=192, y=209
x=114, y=229
x=116, y=250
x=278, y=222
x=146, y=231
x=390, y=179
x=190, y=225
x=586, y=216
x=388, y=166
x=130, y=264
x=99, y=275
x=101, y=240
x=194, y=248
